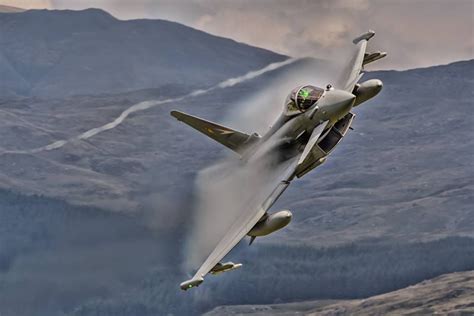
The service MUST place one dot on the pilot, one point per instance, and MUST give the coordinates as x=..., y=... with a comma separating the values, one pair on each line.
x=302, y=98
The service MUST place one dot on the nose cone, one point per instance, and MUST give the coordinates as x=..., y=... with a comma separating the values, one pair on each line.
x=342, y=104
x=337, y=103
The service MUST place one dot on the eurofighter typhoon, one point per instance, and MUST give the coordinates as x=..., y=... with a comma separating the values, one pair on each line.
x=311, y=125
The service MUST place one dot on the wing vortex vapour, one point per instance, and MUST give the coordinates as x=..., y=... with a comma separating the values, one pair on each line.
x=145, y=105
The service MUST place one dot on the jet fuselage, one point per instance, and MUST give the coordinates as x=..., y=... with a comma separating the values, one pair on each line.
x=332, y=106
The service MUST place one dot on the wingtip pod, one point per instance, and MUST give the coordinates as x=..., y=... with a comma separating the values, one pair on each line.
x=189, y=284
x=366, y=36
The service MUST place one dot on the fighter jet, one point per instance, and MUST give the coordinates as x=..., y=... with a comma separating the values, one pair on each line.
x=311, y=125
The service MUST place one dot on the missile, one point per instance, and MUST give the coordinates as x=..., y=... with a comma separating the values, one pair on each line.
x=186, y=285
x=224, y=267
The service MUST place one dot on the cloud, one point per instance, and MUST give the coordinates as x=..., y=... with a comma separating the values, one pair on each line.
x=417, y=33
x=28, y=4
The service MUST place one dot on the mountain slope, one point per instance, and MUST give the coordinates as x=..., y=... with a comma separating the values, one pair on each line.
x=59, y=259
x=450, y=293
x=366, y=189
x=90, y=52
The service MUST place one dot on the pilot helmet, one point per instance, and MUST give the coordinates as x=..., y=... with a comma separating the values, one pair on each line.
x=302, y=98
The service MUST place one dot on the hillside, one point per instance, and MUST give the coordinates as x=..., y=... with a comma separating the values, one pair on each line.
x=390, y=177
x=61, y=259
x=447, y=294
x=53, y=53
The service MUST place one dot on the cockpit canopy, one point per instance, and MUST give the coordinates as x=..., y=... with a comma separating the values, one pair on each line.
x=302, y=98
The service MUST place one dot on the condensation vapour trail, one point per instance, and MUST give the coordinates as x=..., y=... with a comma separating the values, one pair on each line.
x=145, y=105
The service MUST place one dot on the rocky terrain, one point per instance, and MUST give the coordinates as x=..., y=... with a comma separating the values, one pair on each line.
x=451, y=294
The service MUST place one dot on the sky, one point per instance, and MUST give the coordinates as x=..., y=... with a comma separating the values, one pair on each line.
x=415, y=33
